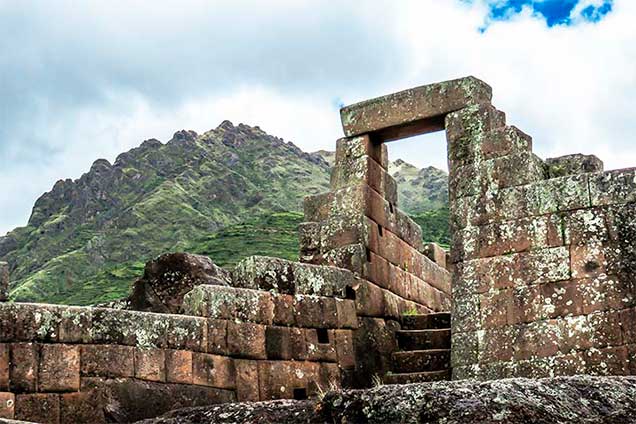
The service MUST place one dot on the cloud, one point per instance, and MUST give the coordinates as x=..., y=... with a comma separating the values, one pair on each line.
x=83, y=80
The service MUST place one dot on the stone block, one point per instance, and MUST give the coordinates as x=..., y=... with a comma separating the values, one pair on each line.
x=75, y=325
x=150, y=364
x=286, y=379
x=370, y=300
x=435, y=253
x=230, y=303
x=23, y=370
x=607, y=361
x=315, y=311
x=539, y=339
x=613, y=187
x=217, y=336
x=466, y=130
x=246, y=340
x=298, y=344
x=494, y=306
x=587, y=261
x=316, y=208
x=466, y=314
x=309, y=238
x=355, y=147
x=364, y=170
x=35, y=322
x=413, y=111
x=178, y=366
x=497, y=344
x=573, y=165
x=465, y=349
x=4, y=367
x=351, y=257
x=213, y=371
x=345, y=349
x=247, y=385
x=7, y=405
x=346, y=313
x=40, y=408
x=586, y=226
x=283, y=310
x=288, y=277
x=107, y=361
x=81, y=407
x=278, y=343
x=606, y=328
x=321, y=345
x=503, y=141
x=59, y=369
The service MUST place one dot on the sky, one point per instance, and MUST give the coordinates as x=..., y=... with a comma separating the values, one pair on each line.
x=86, y=80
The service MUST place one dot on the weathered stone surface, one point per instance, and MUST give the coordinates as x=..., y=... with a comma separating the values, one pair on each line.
x=287, y=277
x=23, y=369
x=108, y=361
x=168, y=278
x=355, y=147
x=230, y=303
x=39, y=408
x=59, y=369
x=7, y=405
x=127, y=400
x=593, y=400
x=413, y=111
x=573, y=164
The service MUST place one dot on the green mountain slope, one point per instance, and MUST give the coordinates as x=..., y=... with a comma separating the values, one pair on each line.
x=228, y=193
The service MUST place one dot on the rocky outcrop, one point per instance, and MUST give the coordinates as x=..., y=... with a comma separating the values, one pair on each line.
x=580, y=399
x=169, y=277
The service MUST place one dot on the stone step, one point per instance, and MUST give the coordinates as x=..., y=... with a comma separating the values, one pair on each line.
x=437, y=320
x=417, y=377
x=421, y=360
x=424, y=339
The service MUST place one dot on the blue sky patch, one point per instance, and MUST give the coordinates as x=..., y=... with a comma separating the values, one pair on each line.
x=555, y=12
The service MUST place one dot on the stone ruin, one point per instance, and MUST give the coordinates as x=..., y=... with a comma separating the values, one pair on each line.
x=538, y=281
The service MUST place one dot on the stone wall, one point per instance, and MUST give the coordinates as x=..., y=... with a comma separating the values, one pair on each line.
x=82, y=364
x=543, y=253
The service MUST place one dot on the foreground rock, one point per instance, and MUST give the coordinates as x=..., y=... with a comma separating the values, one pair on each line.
x=169, y=277
x=580, y=399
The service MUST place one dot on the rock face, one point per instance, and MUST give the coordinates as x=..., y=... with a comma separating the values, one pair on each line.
x=580, y=399
x=169, y=277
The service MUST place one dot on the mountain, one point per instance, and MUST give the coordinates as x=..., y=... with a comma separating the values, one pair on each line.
x=231, y=192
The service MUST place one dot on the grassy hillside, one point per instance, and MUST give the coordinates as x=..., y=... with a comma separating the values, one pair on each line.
x=232, y=192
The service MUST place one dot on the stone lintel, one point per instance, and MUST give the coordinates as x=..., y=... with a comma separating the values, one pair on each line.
x=414, y=111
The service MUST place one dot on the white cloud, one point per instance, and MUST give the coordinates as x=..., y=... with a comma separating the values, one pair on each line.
x=79, y=81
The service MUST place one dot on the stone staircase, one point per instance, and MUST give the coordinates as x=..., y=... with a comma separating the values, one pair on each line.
x=424, y=350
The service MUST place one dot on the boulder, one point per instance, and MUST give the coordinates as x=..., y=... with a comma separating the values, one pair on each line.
x=169, y=277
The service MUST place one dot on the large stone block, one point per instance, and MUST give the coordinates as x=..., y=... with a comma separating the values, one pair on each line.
x=315, y=311
x=467, y=129
x=179, y=366
x=230, y=303
x=59, y=369
x=108, y=361
x=23, y=370
x=355, y=147
x=613, y=187
x=39, y=408
x=573, y=164
x=364, y=170
x=213, y=371
x=81, y=407
x=7, y=405
x=287, y=277
x=286, y=379
x=4, y=367
x=246, y=340
x=247, y=385
x=316, y=208
x=413, y=111
x=150, y=364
